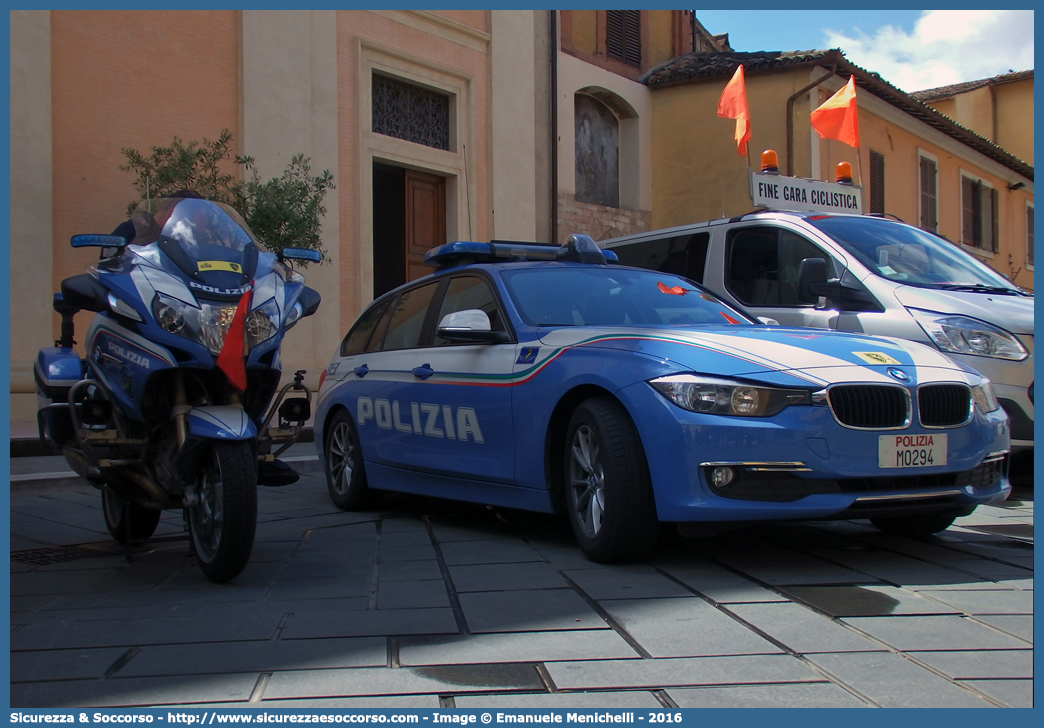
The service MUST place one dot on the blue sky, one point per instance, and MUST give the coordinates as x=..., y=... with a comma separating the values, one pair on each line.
x=912, y=49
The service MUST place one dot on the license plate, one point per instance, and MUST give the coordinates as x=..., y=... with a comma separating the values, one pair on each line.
x=911, y=451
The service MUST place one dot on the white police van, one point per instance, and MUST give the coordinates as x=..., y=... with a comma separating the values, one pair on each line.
x=814, y=261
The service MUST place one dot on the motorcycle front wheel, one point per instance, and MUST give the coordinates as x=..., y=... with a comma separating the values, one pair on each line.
x=222, y=524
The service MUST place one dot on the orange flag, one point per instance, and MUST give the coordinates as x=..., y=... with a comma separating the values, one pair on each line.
x=733, y=105
x=836, y=117
x=230, y=360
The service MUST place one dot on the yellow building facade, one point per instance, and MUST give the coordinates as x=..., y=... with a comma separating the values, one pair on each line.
x=913, y=162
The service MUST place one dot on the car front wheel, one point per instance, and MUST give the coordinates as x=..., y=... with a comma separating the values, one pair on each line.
x=609, y=494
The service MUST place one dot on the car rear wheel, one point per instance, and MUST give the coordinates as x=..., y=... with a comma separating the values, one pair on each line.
x=609, y=494
x=923, y=524
x=345, y=477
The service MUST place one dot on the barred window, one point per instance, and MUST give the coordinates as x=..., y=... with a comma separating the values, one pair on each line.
x=409, y=112
x=623, y=36
x=877, y=182
x=929, y=218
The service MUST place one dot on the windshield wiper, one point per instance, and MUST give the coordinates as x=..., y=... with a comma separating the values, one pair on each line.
x=980, y=288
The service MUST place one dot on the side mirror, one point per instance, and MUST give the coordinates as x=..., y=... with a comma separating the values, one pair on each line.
x=812, y=281
x=312, y=256
x=98, y=241
x=471, y=325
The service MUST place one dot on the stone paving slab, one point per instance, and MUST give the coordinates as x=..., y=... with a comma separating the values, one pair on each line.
x=716, y=582
x=134, y=691
x=602, y=700
x=866, y=601
x=685, y=627
x=795, y=695
x=986, y=602
x=594, y=644
x=534, y=610
x=63, y=664
x=802, y=630
x=626, y=582
x=691, y=671
x=1012, y=693
x=918, y=633
x=891, y=681
x=267, y=656
x=506, y=577
x=316, y=624
x=1020, y=626
x=980, y=664
x=385, y=681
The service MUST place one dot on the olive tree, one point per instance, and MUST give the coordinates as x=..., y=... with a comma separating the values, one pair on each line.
x=283, y=212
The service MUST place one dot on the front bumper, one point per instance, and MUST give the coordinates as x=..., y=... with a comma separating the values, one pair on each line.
x=802, y=464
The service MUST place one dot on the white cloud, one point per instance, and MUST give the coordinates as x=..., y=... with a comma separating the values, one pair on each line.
x=945, y=47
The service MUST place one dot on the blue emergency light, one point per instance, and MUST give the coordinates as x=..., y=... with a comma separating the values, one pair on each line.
x=579, y=248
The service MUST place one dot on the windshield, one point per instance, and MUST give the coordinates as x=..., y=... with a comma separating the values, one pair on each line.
x=596, y=296
x=906, y=254
x=202, y=237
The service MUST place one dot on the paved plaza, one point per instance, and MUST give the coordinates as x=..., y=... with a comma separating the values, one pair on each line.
x=427, y=603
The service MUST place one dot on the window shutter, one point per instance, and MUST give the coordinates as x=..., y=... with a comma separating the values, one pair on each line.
x=967, y=211
x=992, y=221
x=623, y=36
x=928, y=218
x=877, y=195
x=1029, y=235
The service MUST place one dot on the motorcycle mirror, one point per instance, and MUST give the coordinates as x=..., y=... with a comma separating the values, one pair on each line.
x=98, y=241
x=312, y=256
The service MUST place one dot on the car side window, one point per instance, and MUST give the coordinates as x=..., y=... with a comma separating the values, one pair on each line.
x=407, y=318
x=682, y=255
x=763, y=263
x=359, y=335
x=470, y=292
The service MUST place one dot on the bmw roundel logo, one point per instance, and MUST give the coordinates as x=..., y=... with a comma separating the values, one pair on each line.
x=898, y=374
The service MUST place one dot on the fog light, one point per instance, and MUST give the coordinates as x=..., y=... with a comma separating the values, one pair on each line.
x=721, y=477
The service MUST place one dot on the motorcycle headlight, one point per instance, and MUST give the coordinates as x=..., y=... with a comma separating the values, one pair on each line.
x=260, y=324
x=727, y=397
x=214, y=323
x=984, y=397
x=965, y=335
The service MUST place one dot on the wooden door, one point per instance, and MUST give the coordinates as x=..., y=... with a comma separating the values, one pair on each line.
x=425, y=220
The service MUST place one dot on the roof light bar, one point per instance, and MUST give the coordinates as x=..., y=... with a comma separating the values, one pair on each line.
x=579, y=248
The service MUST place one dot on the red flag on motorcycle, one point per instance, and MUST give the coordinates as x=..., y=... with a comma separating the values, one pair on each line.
x=231, y=360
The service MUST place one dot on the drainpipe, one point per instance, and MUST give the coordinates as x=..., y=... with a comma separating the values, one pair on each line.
x=790, y=113
x=554, y=126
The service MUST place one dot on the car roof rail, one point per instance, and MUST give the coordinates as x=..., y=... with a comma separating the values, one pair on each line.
x=579, y=248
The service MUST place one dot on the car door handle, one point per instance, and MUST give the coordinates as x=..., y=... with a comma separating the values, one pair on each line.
x=423, y=371
x=361, y=371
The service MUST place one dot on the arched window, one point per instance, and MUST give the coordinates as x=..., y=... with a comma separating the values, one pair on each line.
x=597, y=152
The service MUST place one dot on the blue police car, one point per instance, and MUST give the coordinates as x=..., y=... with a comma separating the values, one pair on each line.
x=546, y=378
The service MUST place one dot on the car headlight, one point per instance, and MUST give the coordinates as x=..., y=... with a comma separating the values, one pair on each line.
x=965, y=335
x=984, y=397
x=727, y=397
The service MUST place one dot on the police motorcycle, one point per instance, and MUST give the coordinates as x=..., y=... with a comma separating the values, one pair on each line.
x=175, y=404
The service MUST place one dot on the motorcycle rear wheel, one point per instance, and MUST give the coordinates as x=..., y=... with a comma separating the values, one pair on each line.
x=118, y=512
x=222, y=524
